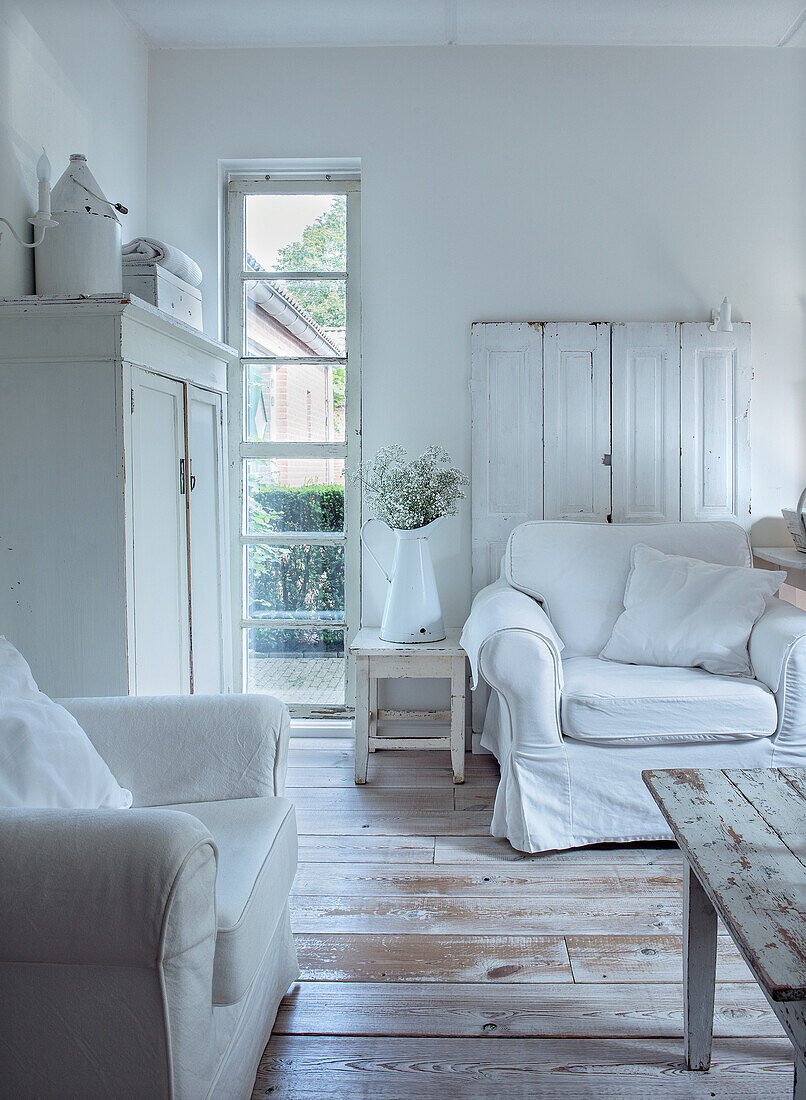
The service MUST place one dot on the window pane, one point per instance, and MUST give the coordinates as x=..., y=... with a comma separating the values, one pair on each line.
x=296, y=232
x=297, y=666
x=294, y=403
x=294, y=494
x=295, y=582
x=295, y=317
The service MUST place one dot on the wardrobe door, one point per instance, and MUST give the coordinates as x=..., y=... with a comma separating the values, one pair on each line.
x=576, y=416
x=715, y=429
x=209, y=619
x=646, y=422
x=159, y=533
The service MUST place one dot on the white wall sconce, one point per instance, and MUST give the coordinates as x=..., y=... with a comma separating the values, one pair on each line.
x=41, y=221
x=720, y=318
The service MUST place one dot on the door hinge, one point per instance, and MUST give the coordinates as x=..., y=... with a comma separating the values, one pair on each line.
x=132, y=400
x=607, y=460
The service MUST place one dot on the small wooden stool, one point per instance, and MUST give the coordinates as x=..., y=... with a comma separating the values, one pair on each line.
x=377, y=660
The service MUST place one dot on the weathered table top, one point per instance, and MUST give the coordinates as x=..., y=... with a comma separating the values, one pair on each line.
x=368, y=642
x=744, y=834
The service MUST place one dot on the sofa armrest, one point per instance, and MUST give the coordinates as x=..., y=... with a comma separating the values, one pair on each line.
x=778, y=655
x=189, y=748
x=526, y=671
x=98, y=887
x=107, y=948
x=499, y=607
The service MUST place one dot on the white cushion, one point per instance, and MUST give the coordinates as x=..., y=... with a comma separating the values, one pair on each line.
x=685, y=612
x=257, y=860
x=46, y=759
x=605, y=703
x=578, y=570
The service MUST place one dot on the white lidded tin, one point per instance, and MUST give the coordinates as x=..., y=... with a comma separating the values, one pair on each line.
x=81, y=255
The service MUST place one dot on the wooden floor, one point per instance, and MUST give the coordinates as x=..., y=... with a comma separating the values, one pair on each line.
x=439, y=963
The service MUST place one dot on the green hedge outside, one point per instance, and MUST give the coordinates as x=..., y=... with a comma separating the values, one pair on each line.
x=296, y=578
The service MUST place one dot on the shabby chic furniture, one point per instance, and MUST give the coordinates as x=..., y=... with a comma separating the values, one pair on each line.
x=639, y=422
x=572, y=732
x=790, y=559
x=743, y=833
x=114, y=574
x=158, y=286
x=144, y=952
x=376, y=660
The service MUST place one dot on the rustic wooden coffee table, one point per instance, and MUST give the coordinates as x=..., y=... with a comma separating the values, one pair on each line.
x=743, y=834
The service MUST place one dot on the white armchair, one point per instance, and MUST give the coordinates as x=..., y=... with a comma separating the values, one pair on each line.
x=144, y=952
x=572, y=732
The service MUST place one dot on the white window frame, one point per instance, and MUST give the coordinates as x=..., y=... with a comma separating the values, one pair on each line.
x=239, y=185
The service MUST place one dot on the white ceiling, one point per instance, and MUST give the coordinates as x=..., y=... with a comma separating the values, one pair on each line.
x=231, y=23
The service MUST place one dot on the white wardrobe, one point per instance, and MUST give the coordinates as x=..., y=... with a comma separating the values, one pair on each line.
x=606, y=422
x=113, y=552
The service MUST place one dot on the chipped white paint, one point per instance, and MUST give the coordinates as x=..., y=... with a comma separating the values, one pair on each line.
x=646, y=423
x=715, y=379
x=680, y=426
x=377, y=659
x=742, y=832
x=544, y=448
x=576, y=422
x=102, y=400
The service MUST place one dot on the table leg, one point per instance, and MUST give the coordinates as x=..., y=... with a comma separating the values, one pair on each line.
x=699, y=972
x=373, y=706
x=458, y=674
x=361, y=718
x=792, y=1017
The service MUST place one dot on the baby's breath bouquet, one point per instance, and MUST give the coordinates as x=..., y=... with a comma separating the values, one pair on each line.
x=407, y=495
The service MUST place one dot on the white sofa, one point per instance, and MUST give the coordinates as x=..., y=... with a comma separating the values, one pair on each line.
x=572, y=732
x=144, y=952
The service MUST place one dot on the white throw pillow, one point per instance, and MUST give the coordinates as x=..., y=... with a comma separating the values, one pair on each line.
x=686, y=613
x=46, y=759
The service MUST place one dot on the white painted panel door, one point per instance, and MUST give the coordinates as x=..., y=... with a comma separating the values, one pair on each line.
x=159, y=532
x=506, y=387
x=645, y=371
x=576, y=413
x=209, y=618
x=714, y=414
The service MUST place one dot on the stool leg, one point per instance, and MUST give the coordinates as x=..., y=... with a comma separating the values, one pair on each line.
x=458, y=719
x=373, y=707
x=361, y=718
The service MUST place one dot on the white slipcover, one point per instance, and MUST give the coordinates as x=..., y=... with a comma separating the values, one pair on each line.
x=572, y=735
x=256, y=840
x=123, y=973
x=610, y=703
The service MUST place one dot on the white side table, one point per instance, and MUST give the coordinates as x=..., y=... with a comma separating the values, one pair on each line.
x=377, y=660
x=790, y=559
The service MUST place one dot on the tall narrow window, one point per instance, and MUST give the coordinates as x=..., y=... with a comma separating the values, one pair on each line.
x=293, y=310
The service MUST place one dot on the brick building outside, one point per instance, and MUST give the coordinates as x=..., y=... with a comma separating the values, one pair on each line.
x=295, y=402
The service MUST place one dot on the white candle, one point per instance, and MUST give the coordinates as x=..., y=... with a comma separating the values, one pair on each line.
x=43, y=175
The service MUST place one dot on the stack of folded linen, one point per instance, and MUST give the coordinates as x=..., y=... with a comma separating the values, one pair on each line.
x=143, y=250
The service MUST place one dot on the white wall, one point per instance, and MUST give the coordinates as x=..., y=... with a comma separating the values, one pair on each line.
x=521, y=184
x=74, y=78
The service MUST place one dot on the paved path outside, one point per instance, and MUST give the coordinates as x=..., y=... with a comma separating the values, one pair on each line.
x=310, y=680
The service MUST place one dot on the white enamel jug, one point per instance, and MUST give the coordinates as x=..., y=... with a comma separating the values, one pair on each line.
x=81, y=256
x=412, y=612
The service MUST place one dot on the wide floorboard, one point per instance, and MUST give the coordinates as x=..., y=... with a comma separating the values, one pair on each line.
x=436, y=961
